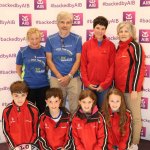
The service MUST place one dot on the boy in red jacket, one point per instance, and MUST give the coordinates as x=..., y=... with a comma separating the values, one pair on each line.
x=20, y=117
x=54, y=125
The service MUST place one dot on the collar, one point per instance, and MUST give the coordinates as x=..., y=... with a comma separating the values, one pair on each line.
x=123, y=44
x=95, y=39
x=20, y=108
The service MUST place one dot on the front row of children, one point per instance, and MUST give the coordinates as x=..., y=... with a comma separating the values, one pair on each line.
x=87, y=130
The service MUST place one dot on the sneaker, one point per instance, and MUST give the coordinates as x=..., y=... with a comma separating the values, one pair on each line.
x=133, y=147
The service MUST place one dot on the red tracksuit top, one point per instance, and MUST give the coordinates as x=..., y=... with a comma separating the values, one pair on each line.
x=97, y=63
x=54, y=135
x=89, y=133
x=114, y=136
x=129, y=66
x=20, y=124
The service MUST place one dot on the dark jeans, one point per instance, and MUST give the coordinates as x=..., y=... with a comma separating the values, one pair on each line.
x=100, y=97
x=37, y=97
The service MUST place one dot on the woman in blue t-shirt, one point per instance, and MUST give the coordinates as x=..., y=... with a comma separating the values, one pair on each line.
x=31, y=67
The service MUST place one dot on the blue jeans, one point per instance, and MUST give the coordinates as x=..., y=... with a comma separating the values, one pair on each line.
x=100, y=97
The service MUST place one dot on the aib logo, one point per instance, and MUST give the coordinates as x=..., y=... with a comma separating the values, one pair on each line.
x=143, y=132
x=91, y=4
x=144, y=36
x=89, y=34
x=77, y=19
x=147, y=71
x=39, y=4
x=43, y=35
x=144, y=3
x=129, y=16
x=25, y=20
x=144, y=103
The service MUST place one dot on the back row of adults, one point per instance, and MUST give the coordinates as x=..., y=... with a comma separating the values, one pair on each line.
x=99, y=61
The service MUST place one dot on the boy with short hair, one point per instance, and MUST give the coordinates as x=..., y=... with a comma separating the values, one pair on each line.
x=54, y=124
x=20, y=117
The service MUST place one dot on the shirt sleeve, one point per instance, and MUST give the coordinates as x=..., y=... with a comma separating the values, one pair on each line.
x=101, y=134
x=19, y=58
x=139, y=68
x=83, y=67
x=6, y=130
x=126, y=139
x=79, y=45
x=68, y=141
x=35, y=128
x=48, y=46
x=42, y=135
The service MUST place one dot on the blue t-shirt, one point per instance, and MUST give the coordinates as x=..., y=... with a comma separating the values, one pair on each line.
x=64, y=51
x=33, y=62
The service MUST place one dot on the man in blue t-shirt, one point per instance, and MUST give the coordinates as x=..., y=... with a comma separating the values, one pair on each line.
x=63, y=52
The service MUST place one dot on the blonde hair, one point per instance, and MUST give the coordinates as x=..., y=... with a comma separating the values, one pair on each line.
x=64, y=15
x=130, y=27
x=31, y=31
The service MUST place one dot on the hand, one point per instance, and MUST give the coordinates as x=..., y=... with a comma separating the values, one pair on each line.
x=134, y=95
x=100, y=89
x=62, y=148
x=92, y=87
x=64, y=81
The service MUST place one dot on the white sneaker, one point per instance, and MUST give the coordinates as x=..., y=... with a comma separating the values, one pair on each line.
x=133, y=147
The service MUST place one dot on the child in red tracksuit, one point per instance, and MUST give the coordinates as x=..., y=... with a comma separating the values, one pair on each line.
x=54, y=125
x=20, y=118
x=88, y=125
x=118, y=121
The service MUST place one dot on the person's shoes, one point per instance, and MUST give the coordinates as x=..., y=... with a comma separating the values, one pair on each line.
x=133, y=147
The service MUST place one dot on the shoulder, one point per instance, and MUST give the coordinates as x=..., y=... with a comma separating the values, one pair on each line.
x=9, y=106
x=65, y=110
x=24, y=49
x=75, y=36
x=32, y=106
x=42, y=116
x=50, y=37
x=135, y=45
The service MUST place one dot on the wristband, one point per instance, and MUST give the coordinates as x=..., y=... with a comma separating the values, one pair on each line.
x=70, y=75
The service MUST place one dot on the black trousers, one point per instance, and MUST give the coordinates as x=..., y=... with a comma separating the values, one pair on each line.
x=37, y=97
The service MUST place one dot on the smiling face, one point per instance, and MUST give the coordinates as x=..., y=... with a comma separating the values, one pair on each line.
x=34, y=40
x=64, y=26
x=114, y=102
x=86, y=104
x=53, y=104
x=99, y=32
x=19, y=98
x=124, y=34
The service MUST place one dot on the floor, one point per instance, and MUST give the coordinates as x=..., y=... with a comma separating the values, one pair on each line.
x=144, y=145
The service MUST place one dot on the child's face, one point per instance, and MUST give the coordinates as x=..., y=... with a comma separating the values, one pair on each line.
x=114, y=102
x=19, y=98
x=86, y=104
x=53, y=103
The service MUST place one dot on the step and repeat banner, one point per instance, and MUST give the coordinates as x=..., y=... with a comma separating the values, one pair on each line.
x=16, y=17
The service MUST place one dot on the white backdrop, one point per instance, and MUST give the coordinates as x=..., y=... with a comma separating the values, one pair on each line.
x=16, y=17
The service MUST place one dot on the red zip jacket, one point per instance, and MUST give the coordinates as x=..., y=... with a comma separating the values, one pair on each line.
x=55, y=135
x=129, y=66
x=114, y=136
x=97, y=63
x=89, y=133
x=20, y=124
